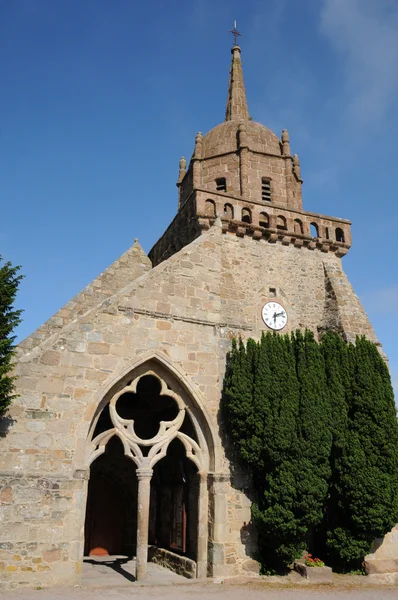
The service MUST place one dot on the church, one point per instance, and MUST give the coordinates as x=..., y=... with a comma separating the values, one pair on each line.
x=115, y=445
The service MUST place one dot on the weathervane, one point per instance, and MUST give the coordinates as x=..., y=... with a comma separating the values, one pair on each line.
x=235, y=33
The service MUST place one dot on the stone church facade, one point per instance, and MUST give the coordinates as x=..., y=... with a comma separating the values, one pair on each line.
x=115, y=441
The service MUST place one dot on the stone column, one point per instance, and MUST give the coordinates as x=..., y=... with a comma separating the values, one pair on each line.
x=196, y=161
x=144, y=476
x=203, y=525
x=219, y=528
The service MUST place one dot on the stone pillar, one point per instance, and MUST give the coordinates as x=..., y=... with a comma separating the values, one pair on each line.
x=285, y=143
x=181, y=175
x=219, y=529
x=144, y=476
x=196, y=161
x=203, y=525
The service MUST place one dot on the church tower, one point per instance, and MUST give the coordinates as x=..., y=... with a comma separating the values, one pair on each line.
x=245, y=174
x=114, y=443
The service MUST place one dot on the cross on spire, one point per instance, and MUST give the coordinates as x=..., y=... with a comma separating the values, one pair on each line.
x=236, y=103
x=235, y=33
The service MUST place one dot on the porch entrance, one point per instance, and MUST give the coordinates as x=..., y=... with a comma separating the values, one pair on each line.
x=144, y=486
x=111, y=513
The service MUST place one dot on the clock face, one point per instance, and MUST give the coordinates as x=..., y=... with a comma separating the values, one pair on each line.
x=274, y=315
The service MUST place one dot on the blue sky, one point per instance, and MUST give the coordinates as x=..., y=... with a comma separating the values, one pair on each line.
x=99, y=100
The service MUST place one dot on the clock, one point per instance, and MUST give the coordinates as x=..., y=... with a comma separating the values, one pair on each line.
x=274, y=315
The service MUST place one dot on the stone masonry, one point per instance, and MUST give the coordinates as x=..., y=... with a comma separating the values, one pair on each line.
x=172, y=314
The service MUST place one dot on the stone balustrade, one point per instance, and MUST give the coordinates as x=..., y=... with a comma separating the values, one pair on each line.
x=260, y=220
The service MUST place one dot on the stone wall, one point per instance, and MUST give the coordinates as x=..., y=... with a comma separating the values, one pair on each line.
x=42, y=516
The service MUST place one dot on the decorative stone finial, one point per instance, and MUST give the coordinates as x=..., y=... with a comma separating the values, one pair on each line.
x=285, y=143
x=237, y=102
x=243, y=143
x=296, y=167
x=198, y=145
x=183, y=169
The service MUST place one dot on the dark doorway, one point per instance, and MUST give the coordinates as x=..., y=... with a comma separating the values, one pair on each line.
x=111, y=514
x=105, y=518
x=110, y=526
x=174, y=503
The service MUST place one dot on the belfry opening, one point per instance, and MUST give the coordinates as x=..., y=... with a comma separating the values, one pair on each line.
x=144, y=488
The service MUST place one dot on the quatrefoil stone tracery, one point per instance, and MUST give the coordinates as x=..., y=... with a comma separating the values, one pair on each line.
x=158, y=444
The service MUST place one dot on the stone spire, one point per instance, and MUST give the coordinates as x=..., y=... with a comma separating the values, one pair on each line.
x=237, y=103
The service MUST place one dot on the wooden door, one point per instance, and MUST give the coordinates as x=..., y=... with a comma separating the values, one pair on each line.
x=178, y=530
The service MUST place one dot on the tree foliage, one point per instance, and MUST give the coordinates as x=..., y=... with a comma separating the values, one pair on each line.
x=313, y=427
x=276, y=399
x=316, y=424
x=9, y=319
x=365, y=486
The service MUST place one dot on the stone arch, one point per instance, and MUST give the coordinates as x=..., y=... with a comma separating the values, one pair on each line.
x=339, y=235
x=192, y=398
x=228, y=211
x=246, y=215
x=143, y=447
x=210, y=208
x=298, y=226
x=263, y=220
x=314, y=230
x=202, y=453
x=281, y=222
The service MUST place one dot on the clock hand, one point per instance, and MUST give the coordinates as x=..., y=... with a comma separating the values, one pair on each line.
x=279, y=314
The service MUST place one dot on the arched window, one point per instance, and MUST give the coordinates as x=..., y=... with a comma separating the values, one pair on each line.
x=210, y=208
x=298, y=226
x=314, y=231
x=339, y=235
x=228, y=211
x=264, y=220
x=281, y=222
x=246, y=215
x=266, y=189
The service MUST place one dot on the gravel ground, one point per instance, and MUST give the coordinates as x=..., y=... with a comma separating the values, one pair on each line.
x=204, y=591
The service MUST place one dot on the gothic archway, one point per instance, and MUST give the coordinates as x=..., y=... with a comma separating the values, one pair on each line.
x=150, y=421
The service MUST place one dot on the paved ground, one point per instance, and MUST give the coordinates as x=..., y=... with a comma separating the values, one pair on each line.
x=203, y=591
x=113, y=578
x=113, y=571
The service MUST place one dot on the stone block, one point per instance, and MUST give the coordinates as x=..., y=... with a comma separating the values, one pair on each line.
x=179, y=564
x=251, y=566
x=51, y=358
x=98, y=348
x=52, y=555
x=217, y=553
x=314, y=574
x=384, y=559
